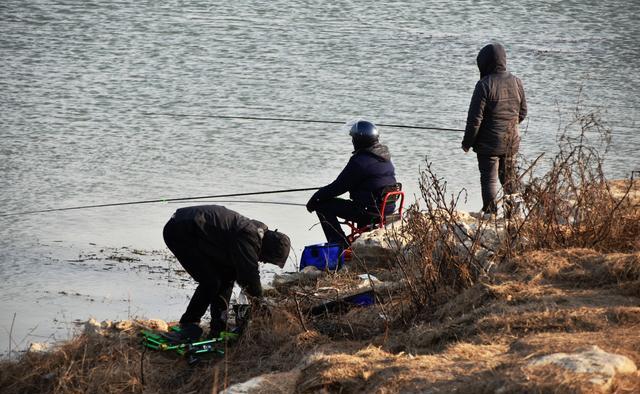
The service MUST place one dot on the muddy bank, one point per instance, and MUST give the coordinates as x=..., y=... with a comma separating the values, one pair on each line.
x=71, y=286
x=75, y=283
x=482, y=340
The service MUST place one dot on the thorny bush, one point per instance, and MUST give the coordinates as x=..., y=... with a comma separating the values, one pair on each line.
x=572, y=204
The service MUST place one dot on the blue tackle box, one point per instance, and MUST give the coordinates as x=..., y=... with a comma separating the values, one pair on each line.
x=362, y=299
x=327, y=256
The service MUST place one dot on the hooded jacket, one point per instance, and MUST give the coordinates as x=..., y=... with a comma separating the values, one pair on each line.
x=497, y=106
x=231, y=241
x=368, y=171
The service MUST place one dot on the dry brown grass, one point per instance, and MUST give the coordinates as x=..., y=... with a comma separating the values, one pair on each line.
x=572, y=204
x=117, y=362
x=274, y=342
x=576, y=267
x=477, y=341
x=86, y=364
x=465, y=367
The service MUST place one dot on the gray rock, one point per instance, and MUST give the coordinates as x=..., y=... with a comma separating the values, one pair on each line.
x=463, y=234
x=123, y=325
x=156, y=324
x=248, y=387
x=92, y=327
x=38, y=347
x=601, y=365
x=284, y=382
x=467, y=238
x=308, y=274
x=106, y=324
x=378, y=248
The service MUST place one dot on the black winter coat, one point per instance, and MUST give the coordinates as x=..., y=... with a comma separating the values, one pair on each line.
x=497, y=106
x=232, y=242
x=368, y=171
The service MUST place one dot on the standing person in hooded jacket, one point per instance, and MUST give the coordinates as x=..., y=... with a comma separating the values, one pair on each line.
x=497, y=107
x=218, y=247
x=365, y=176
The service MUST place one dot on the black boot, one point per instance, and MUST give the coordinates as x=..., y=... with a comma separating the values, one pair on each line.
x=188, y=332
x=216, y=327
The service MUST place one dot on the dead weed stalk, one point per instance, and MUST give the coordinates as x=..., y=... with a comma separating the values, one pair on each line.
x=441, y=255
x=572, y=204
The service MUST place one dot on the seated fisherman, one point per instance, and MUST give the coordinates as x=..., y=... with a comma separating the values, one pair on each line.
x=218, y=247
x=365, y=176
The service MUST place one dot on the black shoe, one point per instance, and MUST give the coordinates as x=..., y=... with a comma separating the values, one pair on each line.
x=214, y=334
x=216, y=327
x=186, y=332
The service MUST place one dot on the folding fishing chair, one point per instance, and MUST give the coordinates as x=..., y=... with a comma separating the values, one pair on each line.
x=391, y=194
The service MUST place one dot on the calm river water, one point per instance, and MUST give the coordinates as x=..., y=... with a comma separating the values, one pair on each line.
x=78, y=79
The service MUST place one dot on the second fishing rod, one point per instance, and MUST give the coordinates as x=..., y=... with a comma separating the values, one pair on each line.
x=160, y=200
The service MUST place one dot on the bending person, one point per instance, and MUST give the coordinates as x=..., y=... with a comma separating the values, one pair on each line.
x=365, y=177
x=218, y=247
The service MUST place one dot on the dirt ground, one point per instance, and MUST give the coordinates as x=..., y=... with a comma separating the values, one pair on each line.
x=479, y=341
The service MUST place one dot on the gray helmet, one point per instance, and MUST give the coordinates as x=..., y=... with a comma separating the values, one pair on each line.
x=363, y=134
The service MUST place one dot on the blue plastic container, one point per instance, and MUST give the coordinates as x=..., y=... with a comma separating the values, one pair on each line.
x=363, y=299
x=322, y=256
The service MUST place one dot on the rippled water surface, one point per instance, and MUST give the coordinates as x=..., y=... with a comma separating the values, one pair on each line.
x=78, y=80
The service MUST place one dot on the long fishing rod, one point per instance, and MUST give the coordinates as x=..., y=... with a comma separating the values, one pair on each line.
x=161, y=200
x=295, y=204
x=293, y=120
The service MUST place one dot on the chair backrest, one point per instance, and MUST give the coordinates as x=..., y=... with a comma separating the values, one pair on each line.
x=391, y=194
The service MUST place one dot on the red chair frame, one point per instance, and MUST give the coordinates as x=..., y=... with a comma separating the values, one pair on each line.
x=382, y=222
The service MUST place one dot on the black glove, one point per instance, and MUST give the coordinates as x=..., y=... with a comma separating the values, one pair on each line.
x=254, y=289
x=312, y=204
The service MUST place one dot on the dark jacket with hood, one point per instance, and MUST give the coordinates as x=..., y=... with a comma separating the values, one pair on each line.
x=368, y=171
x=497, y=106
x=232, y=242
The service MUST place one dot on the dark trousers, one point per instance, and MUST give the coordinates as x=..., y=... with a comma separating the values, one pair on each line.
x=329, y=211
x=494, y=169
x=214, y=284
